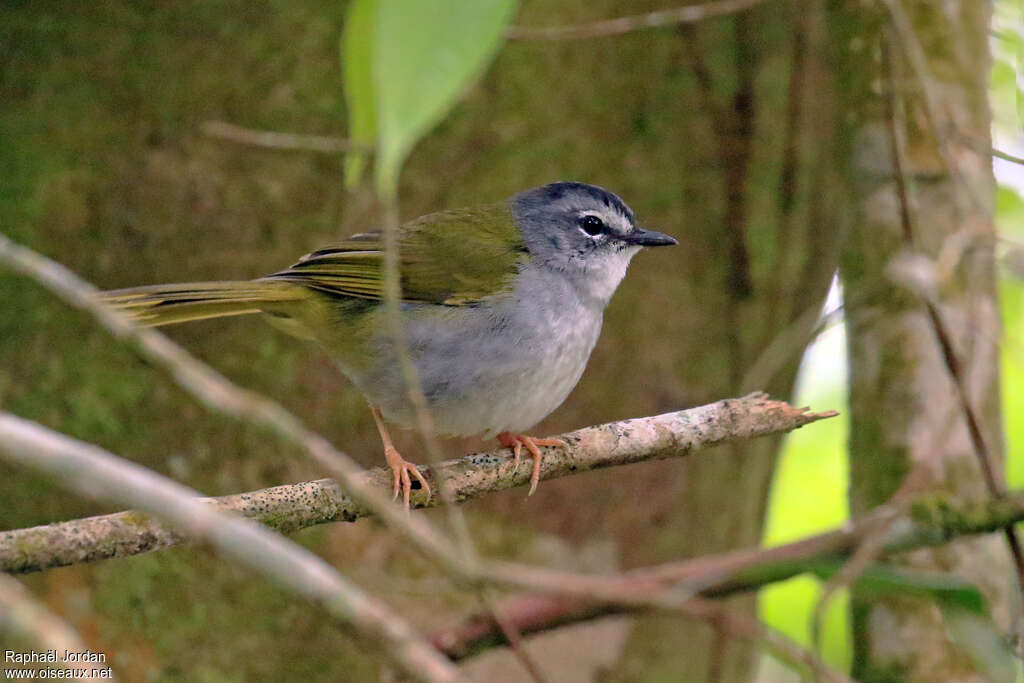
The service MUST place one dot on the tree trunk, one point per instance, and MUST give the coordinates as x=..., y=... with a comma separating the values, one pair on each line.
x=923, y=185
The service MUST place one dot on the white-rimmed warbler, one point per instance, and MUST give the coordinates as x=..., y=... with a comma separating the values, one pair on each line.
x=501, y=306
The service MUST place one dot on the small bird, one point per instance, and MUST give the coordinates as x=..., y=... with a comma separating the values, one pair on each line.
x=500, y=307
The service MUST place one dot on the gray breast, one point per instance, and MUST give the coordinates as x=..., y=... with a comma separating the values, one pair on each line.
x=500, y=366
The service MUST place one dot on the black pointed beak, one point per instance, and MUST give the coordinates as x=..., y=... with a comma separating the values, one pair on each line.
x=650, y=238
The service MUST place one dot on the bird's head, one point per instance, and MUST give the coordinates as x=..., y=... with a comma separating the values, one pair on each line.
x=583, y=231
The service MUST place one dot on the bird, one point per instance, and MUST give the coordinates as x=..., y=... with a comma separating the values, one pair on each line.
x=500, y=307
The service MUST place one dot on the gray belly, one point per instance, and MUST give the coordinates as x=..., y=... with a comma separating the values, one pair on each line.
x=485, y=369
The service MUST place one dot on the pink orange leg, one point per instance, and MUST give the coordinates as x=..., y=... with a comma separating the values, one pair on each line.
x=399, y=465
x=516, y=443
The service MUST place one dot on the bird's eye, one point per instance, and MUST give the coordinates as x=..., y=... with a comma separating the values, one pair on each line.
x=592, y=225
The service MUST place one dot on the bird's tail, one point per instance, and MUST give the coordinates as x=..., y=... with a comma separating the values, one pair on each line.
x=155, y=305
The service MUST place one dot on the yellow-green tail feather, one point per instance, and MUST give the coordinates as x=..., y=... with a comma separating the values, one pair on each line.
x=155, y=305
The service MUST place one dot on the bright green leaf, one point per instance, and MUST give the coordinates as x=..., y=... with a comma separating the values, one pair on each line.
x=425, y=55
x=357, y=71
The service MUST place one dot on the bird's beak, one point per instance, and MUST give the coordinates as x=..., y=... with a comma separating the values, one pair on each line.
x=650, y=238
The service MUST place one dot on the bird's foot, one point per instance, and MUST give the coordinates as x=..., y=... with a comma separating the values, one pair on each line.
x=516, y=443
x=402, y=469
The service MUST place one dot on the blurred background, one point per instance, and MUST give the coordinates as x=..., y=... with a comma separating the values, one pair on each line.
x=724, y=134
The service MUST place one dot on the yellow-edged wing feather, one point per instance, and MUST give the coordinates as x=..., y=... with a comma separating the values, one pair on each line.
x=454, y=258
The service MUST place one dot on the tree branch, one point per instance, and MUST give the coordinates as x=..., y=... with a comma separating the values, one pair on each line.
x=272, y=139
x=613, y=27
x=296, y=506
x=92, y=471
x=560, y=598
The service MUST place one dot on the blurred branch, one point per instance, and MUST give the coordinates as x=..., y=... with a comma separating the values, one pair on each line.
x=739, y=626
x=276, y=140
x=638, y=22
x=295, y=506
x=218, y=393
x=561, y=598
x=96, y=473
x=513, y=638
x=22, y=614
x=534, y=613
x=869, y=548
x=790, y=343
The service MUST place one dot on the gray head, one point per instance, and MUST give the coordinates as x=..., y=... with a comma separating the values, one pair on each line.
x=583, y=231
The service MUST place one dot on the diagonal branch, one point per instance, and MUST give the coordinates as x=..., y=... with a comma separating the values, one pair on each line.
x=92, y=471
x=273, y=139
x=295, y=506
x=535, y=613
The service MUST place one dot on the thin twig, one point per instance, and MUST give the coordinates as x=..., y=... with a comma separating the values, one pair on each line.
x=943, y=128
x=1006, y=156
x=413, y=386
x=740, y=626
x=288, y=141
x=789, y=343
x=296, y=506
x=93, y=472
x=615, y=27
x=869, y=549
x=513, y=637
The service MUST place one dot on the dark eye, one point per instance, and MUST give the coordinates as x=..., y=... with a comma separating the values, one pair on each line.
x=592, y=225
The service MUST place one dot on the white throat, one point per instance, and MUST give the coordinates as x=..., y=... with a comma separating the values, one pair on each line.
x=599, y=276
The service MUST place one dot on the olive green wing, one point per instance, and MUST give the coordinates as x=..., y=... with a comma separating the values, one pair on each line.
x=454, y=258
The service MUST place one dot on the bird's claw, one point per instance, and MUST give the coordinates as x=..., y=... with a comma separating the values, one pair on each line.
x=516, y=443
x=401, y=469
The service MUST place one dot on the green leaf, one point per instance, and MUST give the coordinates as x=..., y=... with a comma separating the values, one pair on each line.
x=881, y=580
x=980, y=638
x=357, y=72
x=425, y=55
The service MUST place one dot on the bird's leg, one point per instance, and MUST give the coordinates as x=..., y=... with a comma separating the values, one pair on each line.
x=516, y=443
x=399, y=465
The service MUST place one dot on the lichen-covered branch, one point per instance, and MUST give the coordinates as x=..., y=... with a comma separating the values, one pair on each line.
x=295, y=506
x=90, y=470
